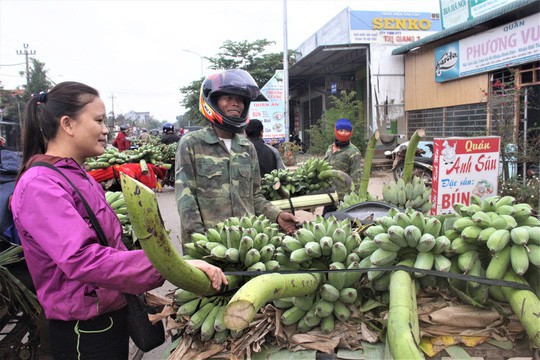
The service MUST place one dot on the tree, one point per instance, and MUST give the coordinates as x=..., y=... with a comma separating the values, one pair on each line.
x=344, y=106
x=38, y=80
x=234, y=55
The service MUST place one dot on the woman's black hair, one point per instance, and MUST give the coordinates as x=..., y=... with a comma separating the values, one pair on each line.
x=43, y=112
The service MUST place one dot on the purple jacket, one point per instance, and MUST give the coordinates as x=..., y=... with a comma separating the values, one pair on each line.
x=76, y=278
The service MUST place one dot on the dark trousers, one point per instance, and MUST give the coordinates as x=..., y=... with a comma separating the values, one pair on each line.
x=104, y=337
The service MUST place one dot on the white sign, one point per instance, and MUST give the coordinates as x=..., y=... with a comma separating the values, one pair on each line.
x=463, y=167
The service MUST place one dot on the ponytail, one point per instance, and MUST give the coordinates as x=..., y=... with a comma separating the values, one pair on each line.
x=43, y=112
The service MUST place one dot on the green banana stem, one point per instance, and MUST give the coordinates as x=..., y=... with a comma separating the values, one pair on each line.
x=339, y=179
x=525, y=305
x=401, y=326
x=262, y=289
x=143, y=211
x=408, y=166
x=362, y=192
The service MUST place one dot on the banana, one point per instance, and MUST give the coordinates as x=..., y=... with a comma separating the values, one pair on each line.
x=534, y=254
x=336, y=278
x=252, y=256
x=519, y=235
x=258, y=266
x=460, y=246
x=313, y=249
x=351, y=277
x=506, y=210
x=182, y=296
x=326, y=243
x=466, y=260
x=329, y=293
x=311, y=318
x=433, y=226
x=207, y=327
x=323, y=308
x=534, y=235
x=402, y=220
x=510, y=221
x=442, y=263
x=476, y=270
x=304, y=303
x=485, y=234
x=348, y=295
x=232, y=255
x=339, y=235
x=246, y=243
x=195, y=237
x=267, y=252
x=299, y=256
x=424, y=261
x=352, y=242
x=470, y=233
x=339, y=252
x=462, y=223
x=412, y=235
x=341, y=311
x=272, y=265
x=417, y=219
x=374, y=230
x=498, y=240
x=284, y=303
x=384, y=242
x=327, y=324
x=499, y=222
x=426, y=243
x=292, y=315
x=442, y=243
x=290, y=244
x=498, y=264
x=505, y=200
x=519, y=259
x=382, y=257
x=530, y=221
x=305, y=236
x=218, y=252
x=386, y=221
x=481, y=219
x=196, y=320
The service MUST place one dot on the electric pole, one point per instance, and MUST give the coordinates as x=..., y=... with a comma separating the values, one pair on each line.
x=26, y=52
x=112, y=108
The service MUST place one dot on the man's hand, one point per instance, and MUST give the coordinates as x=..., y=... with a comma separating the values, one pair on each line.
x=213, y=272
x=288, y=222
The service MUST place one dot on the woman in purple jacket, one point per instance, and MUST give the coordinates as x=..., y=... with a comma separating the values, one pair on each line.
x=79, y=282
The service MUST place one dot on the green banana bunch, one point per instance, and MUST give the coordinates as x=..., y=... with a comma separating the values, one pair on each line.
x=118, y=204
x=414, y=195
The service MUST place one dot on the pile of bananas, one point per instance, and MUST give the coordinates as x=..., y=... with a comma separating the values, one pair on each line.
x=311, y=177
x=497, y=225
x=118, y=204
x=246, y=243
x=203, y=316
x=398, y=236
x=149, y=153
x=326, y=244
x=351, y=199
x=413, y=195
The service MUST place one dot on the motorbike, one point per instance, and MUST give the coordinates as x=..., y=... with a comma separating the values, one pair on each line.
x=423, y=161
x=295, y=139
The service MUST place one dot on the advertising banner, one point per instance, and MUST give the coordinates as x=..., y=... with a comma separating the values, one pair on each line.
x=455, y=12
x=272, y=112
x=463, y=167
x=508, y=45
x=392, y=27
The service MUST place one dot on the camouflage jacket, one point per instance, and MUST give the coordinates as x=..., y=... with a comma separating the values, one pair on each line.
x=213, y=184
x=348, y=160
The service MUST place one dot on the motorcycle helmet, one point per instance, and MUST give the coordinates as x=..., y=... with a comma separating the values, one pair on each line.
x=124, y=127
x=168, y=127
x=228, y=82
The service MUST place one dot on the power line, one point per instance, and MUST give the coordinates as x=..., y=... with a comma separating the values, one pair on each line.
x=26, y=52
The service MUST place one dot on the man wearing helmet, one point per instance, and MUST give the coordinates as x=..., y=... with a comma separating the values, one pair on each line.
x=169, y=136
x=217, y=171
x=122, y=141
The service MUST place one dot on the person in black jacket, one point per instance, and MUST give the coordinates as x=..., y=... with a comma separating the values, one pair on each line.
x=169, y=136
x=269, y=158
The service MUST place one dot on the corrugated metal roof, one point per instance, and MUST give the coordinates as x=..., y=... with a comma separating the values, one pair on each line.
x=508, y=13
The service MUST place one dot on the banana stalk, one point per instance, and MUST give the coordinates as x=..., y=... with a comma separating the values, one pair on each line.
x=262, y=289
x=525, y=305
x=408, y=165
x=401, y=326
x=143, y=210
x=367, y=164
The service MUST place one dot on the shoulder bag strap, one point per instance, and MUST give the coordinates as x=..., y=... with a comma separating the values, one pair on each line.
x=91, y=215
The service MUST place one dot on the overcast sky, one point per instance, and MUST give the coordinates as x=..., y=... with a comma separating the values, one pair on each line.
x=134, y=49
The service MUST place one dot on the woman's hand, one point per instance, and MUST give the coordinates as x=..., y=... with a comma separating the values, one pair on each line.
x=288, y=222
x=216, y=276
